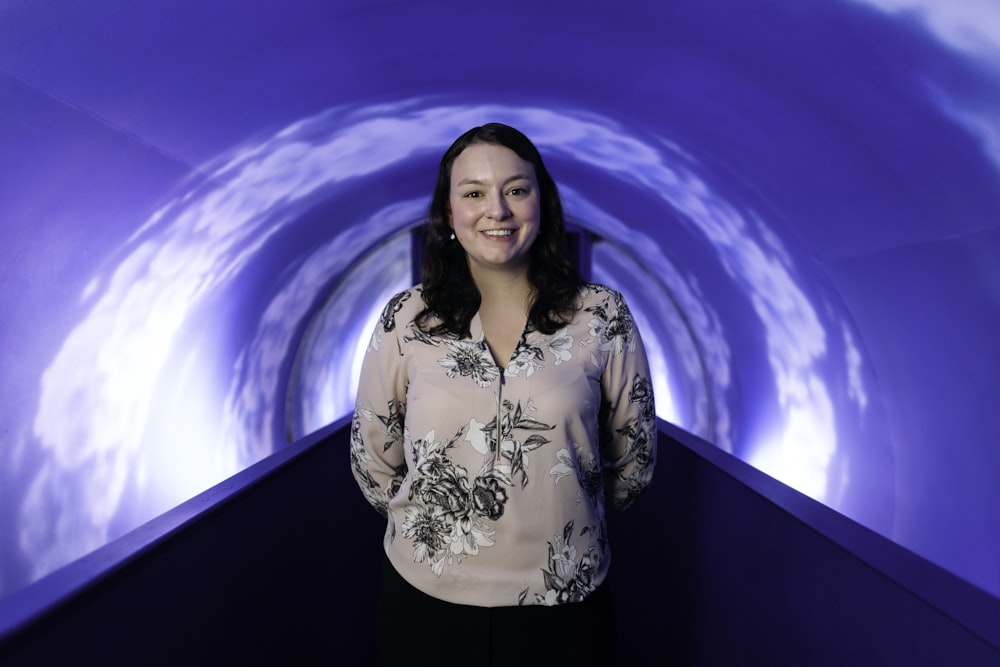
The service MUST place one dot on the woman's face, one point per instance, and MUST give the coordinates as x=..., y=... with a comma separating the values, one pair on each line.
x=495, y=207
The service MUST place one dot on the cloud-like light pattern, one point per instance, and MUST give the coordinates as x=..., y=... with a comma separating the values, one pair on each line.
x=972, y=28
x=150, y=330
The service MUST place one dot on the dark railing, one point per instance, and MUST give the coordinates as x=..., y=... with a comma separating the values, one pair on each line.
x=718, y=564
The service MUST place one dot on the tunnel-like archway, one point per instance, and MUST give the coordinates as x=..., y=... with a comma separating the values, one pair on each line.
x=200, y=224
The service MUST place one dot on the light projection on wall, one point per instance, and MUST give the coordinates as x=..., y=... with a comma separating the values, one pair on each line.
x=153, y=344
x=802, y=224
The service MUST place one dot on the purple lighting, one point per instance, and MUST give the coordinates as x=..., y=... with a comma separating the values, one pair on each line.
x=200, y=225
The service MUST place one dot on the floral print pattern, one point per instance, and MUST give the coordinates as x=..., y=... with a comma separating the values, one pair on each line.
x=465, y=359
x=586, y=470
x=459, y=464
x=571, y=575
x=448, y=524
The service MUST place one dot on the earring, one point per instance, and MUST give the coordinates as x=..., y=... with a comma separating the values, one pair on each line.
x=452, y=237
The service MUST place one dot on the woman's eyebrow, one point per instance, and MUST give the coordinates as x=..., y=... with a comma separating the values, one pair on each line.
x=476, y=181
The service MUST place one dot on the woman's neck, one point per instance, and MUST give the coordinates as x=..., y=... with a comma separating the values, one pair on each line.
x=504, y=289
x=505, y=300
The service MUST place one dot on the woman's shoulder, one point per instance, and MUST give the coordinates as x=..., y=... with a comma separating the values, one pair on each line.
x=402, y=307
x=414, y=294
x=595, y=293
x=604, y=302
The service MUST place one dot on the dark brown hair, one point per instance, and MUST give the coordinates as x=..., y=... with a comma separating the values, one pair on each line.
x=448, y=289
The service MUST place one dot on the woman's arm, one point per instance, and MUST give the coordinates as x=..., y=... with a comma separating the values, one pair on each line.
x=377, y=458
x=628, y=413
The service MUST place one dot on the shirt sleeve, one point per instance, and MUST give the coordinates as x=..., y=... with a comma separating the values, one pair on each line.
x=377, y=459
x=628, y=412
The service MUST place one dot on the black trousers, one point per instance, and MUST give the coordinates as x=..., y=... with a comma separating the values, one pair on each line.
x=413, y=629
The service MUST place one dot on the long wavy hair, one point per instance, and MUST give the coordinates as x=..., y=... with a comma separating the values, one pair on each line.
x=450, y=294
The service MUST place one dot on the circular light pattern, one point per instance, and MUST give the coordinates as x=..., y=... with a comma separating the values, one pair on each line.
x=269, y=238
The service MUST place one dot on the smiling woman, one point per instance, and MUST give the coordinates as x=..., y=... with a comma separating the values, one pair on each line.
x=495, y=208
x=200, y=230
x=499, y=403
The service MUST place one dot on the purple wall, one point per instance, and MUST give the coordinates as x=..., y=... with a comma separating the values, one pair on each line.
x=202, y=205
x=252, y=571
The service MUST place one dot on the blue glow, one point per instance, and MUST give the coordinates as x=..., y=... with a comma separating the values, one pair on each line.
x=801, y=206
x=179, y=266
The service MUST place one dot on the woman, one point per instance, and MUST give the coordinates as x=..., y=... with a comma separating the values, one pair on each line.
x=501, y=401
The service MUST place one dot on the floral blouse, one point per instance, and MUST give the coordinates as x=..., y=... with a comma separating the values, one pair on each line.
x=493, y=480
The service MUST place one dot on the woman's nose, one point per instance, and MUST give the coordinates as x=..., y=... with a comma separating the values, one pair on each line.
x=498, y=209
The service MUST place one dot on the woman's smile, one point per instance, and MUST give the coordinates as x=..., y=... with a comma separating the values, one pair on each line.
x=495, y=207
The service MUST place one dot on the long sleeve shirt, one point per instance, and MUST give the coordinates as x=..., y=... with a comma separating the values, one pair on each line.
x=494, y=479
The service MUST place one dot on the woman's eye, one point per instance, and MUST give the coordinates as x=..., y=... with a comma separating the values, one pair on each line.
x=472, y=195
x=517, y=192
